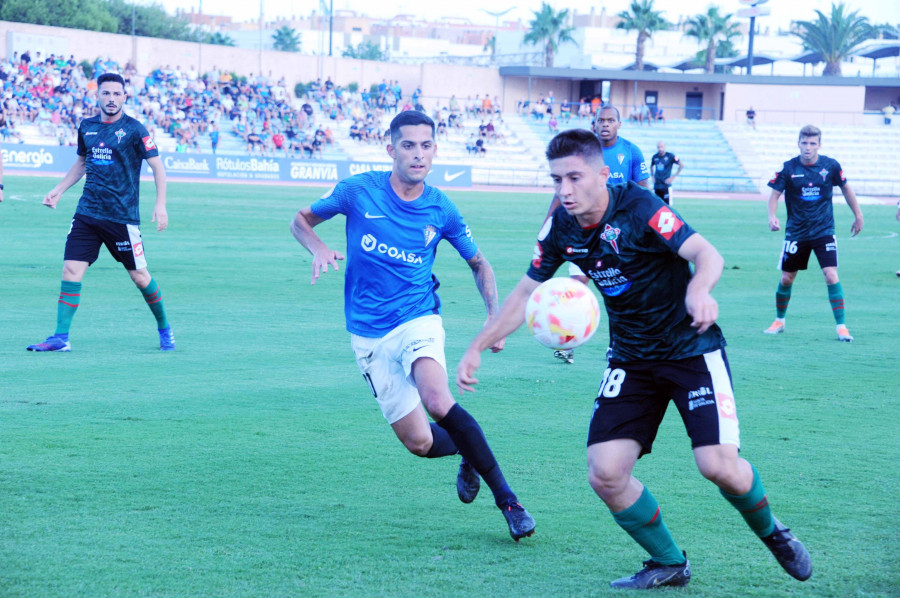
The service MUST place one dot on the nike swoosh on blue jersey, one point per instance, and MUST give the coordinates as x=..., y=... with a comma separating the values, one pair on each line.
x=371, y=216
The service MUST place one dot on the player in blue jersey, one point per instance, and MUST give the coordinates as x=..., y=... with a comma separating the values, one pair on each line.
x=395, y=222
x=664, y=345
x=624, y=159
x=807, y=182
x=626, y=163
x=111, y=149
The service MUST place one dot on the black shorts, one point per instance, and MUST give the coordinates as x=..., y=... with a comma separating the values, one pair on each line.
x=634, y=396
x=795, y=254
x=123, y=241
x=663, y=194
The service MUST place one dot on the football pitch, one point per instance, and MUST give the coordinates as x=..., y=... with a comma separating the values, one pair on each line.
x=253, y=461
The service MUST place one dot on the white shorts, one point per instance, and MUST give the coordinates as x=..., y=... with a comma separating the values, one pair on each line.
x=574, y=270
x=386, y=362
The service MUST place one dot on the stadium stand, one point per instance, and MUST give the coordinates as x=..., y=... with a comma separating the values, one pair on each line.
x=44, y=100
x=710, y=163
x=764, y=150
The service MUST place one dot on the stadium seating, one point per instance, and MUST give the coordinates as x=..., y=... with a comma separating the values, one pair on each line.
x=710, y=163
x=870, y=171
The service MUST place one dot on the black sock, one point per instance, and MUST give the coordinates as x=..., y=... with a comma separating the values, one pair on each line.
x=470, y=440
x=442, y=446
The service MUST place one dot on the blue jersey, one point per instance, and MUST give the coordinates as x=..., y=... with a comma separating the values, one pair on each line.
x=626, y=163
x=391, y=246
x=113, y=154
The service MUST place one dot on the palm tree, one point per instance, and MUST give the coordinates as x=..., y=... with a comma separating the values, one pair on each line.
x=286, y=39
x=646, y=21
x=711, y=28
x=835, y=37
x=220, y=39
x=549, y=28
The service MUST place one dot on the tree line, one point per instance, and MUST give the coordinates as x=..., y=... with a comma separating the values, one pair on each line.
x=834, y=36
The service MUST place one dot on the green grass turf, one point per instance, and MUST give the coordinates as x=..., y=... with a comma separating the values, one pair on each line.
x=254, y=462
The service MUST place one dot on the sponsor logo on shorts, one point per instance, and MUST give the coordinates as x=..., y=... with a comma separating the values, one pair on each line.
x=419, y=343
x=726, y=406
x=700, y=398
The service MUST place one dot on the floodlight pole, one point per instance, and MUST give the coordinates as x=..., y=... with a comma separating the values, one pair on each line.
x=750, y=47
x=753, y=11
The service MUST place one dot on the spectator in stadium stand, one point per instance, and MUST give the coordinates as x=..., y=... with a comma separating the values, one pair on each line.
x=278, y=142
x=552, y=124
x=254, y=143
x=751, y=117
x=1, y=180
x=480, y=150
x=471, y=147
x=395, y=326
x=656, y=280
x=214, y=135
x=807, y=182
x=565, y=110
x=645, y=114
x=888, y=112
x=111, y=150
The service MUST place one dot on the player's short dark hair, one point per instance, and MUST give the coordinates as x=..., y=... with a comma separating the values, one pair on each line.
x=407, y=118
x=811, y=131
x=608, y=107
x=114, y=77
x=576, y=142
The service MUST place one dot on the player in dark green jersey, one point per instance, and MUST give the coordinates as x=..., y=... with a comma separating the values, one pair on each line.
x=661, y=164
x=664, y=345
x=111, y=149
x=807, y=182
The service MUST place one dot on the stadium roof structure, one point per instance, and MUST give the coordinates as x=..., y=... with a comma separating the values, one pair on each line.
x=741, y=61
x=809, y=57
x=688, y=64
x=883, y=49
x=648, y=66
x=595, y=74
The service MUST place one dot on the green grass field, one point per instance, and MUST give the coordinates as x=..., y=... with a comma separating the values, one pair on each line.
x=254, y=462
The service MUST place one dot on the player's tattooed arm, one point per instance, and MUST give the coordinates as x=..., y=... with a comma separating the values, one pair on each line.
x=487, y=287
x=485, y=282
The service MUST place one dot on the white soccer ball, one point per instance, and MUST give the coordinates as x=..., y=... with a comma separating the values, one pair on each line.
x=562, y=313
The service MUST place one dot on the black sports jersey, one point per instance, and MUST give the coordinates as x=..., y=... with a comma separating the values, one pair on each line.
x=807, y=195
x=113, y=153
x=662, y=168
x=632, y=257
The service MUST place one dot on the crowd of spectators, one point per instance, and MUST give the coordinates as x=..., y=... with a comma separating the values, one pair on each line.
x=54, y=94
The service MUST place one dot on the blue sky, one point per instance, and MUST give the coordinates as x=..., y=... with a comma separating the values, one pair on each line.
x=782, y=11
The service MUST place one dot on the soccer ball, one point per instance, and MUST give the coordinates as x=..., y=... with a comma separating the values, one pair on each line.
x=562, y=313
